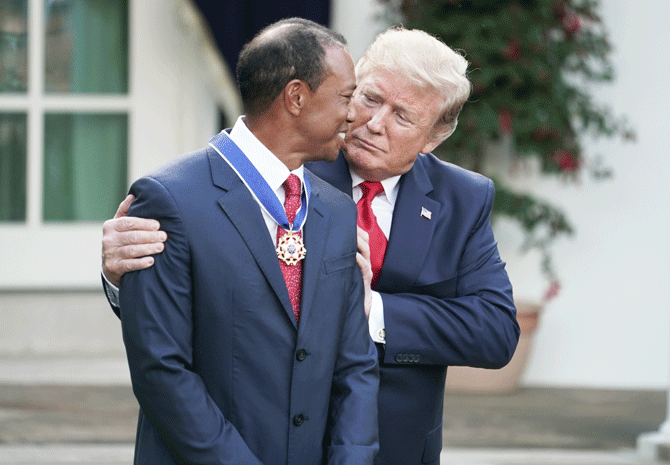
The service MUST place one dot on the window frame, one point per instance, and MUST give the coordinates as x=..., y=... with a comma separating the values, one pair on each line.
x=38, y=253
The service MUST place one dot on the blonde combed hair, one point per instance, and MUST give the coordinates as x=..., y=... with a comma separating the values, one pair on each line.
x=426, y=62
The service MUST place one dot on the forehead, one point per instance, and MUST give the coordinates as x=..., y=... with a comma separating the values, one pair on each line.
x=341, y=67
x=400, y=91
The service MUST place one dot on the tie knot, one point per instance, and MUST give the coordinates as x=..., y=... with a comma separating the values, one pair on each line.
x=292, y=185
x=371, y=189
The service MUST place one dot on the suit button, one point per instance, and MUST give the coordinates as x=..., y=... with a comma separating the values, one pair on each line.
x=299, y=419
x=301, y=355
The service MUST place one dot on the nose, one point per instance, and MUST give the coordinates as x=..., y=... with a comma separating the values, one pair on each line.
x=351, y=112
x=376, y=122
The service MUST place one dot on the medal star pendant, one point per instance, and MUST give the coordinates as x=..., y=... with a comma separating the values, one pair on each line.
x=290, y=248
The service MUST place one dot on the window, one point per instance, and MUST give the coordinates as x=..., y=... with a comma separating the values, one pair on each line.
x=13, y=142
x=64, y=109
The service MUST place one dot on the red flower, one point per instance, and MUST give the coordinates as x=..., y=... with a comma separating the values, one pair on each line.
x=540, y=134
x=565, y=160
x=505, y=121
x=552, y=291
x=512, y=50
x=571, y=24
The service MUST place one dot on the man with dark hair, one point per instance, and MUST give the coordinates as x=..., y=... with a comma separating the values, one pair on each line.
x=247, y=341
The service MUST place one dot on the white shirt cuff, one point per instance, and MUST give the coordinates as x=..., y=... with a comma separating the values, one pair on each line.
x=376, y=320
x=112, y=291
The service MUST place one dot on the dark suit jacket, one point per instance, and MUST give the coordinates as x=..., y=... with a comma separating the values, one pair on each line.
x=221, y=371
x=447, y=300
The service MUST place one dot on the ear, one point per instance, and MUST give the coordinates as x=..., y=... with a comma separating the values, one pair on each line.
x=295, y=96
x=430, y=145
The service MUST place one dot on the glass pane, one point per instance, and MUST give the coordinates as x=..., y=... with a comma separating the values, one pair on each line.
x=84, y=166
x=86, y=46
x=13, y=45
x=13, y=143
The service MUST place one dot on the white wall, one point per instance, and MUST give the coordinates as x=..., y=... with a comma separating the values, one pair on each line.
x=610, y=325
x=359, y=21
x=176, y=109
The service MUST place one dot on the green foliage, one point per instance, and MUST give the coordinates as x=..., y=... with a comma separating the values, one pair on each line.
x=530, y=63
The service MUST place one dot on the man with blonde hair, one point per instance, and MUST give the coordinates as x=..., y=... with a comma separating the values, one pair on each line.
x=437, y=293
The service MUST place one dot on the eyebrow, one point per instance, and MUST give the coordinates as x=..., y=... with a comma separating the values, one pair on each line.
x=411, y=114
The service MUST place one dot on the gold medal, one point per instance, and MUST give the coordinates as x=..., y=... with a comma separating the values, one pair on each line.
x=290, y=248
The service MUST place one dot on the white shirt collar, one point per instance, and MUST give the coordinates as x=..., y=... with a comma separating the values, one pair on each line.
x=268, y=165
x=390, y=185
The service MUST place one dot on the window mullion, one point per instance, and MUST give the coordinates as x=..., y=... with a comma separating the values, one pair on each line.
x=35, y=149
x=86, y=103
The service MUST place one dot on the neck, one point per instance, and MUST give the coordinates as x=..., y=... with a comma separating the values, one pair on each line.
x=266, y=132
x=368, y=175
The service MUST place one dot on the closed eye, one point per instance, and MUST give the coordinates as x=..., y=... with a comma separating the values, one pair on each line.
x=369, y=99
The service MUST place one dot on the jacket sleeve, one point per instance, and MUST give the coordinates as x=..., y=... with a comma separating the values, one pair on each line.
x=353, y=430
x=157, y=326
x=477, y=327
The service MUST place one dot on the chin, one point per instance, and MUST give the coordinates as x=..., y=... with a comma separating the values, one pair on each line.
x=327, y=155
x=331, y=155
x=360, y=157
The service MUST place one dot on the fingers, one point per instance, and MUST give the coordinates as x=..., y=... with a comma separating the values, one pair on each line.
x=131, y=251
x=131, y=230
x=114, y=269
x=363, y=244
x=128, y=242
x=366, y=271
x=365, y=267
x=116, y=261
x=362, y=234
x=124, y=206
x=133, y=223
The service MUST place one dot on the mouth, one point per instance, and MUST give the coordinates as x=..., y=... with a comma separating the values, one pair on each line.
x=365, y=144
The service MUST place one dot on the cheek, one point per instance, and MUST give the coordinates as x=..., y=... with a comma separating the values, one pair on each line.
x=405, y=150
x=362, y=113
x=337, y=114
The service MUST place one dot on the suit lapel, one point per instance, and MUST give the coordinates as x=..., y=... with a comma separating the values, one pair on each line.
x=335, y=173
x=411, y=232
x=251, y=226
x=315, y=232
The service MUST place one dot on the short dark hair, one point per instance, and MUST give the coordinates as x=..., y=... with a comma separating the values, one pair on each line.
x=296, y=50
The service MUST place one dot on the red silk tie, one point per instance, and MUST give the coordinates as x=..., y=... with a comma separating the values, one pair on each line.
x=292, y=273
x=368, y=222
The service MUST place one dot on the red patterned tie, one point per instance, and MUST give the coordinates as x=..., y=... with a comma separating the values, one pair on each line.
x=368, y=222
x=292, y=273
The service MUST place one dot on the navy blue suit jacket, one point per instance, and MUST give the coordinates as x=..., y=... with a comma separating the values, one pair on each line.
x=222, y=373
x=447, y=300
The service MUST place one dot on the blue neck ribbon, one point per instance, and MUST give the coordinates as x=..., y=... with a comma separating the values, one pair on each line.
x=222, y=143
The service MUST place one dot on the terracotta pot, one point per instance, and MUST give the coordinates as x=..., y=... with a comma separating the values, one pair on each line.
x=506, y=379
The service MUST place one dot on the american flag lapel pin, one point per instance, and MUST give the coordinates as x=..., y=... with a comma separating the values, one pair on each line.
x=425, y=213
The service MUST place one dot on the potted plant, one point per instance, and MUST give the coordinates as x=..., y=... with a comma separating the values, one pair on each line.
x=529, y=63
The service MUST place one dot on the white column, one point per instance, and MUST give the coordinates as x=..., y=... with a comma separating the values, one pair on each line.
x=656, y=446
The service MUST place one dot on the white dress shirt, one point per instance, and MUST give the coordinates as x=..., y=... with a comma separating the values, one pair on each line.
x=269, y=166
x=382, y=207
